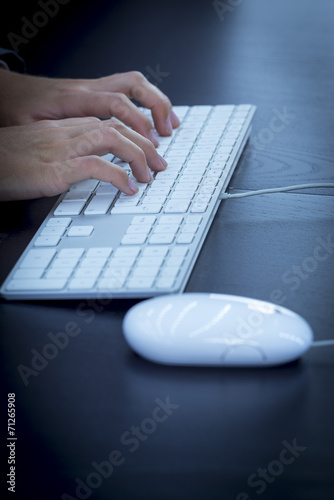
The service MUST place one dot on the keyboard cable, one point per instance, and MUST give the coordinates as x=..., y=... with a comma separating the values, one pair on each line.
x=227, y=196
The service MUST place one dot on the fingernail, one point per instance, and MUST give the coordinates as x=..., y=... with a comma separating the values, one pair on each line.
x=133, y=186
x=169, y=128
x=149, y=175
x=163, y=161
x=154, y=138
x=174, y=119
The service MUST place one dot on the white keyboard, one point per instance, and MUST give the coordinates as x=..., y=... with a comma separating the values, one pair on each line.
x=98, y=242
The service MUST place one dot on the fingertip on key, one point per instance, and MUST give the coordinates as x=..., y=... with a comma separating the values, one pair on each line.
x=133, y=187
x=168, y=126
x=163, y=161
x=154, y=138
x=174, y=119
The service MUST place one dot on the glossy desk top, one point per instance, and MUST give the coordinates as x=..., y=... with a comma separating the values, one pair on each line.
x=95, y=421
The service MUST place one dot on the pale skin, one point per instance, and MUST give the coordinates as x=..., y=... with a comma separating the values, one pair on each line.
x=52, y=135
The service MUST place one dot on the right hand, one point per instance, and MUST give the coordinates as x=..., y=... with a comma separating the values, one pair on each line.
x=46, y=157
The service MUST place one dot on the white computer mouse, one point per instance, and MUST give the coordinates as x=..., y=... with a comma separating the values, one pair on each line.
x=215, y=330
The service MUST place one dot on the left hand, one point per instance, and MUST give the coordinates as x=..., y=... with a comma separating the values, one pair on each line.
x=27, y=99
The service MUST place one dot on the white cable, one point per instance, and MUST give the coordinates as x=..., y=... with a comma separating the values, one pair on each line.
x=225, y=196
x=321, y=343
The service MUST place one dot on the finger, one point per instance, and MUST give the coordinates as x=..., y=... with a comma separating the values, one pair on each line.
x=73, y=122
x=134, y=85
x=94, y=167
x=70, y=126
x=108, y=140
x=174, y=119
x=91, y=133
x=154, y=160
x=107, y=104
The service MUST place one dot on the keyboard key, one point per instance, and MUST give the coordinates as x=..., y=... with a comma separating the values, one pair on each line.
x=165, y=282
x=175, y=261
x=81, y=283
x=36, y=284
x=86, y=272
x=128, y=201
x=185, y=238
x=197, y=169
x=143, y=219
x=151, y=208
x=77, y=195
x=223, y=151
x=206, y=190
x=67, y=258
x=139, y=228
x=140, y=282
x=46, y=241
x=69, y=208
x=150, y=261
x=177, y=206
x=89, y=184
x=133, y=239
x=214, y=173
x=99, y=252
x=166, y=228
x=179, y=251
x=148, y=271
x=164, y=182
x=170, y=272
x=194, y=162
x=171, y=219
x=38, y=258
x=29, y=273
x=198, y=207
x=212, y=181
x=93, y=262
x=159, y=190
x=126, y=197
x=80, y=231
x=106, y=189
x=59, y=221
x=66, y=253
x=161, y=238
x=120, y=273
x=189, y=228
x=69, y=262
x=194, y=219
x=182, y=194
x=110, y=283
x=127, y=252
x=100, y=204
x=203, y=198
x=53, y=231
x=200, y=110
x=153, y=198
x=186, y=186
x=64, y=272
x=155, y=251
x=121, y=262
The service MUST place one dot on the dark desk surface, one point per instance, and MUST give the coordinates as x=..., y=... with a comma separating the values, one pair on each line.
x=227, y=434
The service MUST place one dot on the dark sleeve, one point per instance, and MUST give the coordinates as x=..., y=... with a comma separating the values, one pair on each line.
x=11, y=60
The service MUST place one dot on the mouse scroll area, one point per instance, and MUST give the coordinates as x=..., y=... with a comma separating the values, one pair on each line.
x=243, y=353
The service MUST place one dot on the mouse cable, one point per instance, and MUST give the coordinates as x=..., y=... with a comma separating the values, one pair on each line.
x=226, y=196
x=321, y=343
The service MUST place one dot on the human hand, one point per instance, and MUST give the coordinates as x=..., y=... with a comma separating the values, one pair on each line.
x=27, y=99
x=45, y=158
